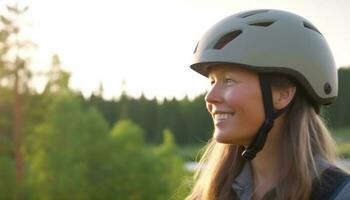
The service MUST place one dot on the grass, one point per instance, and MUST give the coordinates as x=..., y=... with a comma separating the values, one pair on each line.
x=342, y=134
x=342, y=138
x=190, y=152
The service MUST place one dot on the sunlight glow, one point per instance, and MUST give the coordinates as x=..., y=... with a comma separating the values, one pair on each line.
x=149, y=44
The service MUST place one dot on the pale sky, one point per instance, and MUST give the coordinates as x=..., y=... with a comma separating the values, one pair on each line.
x=149, y=43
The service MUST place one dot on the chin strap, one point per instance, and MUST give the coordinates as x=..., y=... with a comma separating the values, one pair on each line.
x=270, y=115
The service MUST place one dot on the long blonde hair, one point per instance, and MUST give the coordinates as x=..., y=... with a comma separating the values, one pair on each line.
x=305, y=136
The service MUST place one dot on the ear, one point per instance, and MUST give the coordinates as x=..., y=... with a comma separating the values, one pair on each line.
x=282, y=96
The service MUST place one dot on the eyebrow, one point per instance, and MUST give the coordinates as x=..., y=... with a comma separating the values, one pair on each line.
x=222, y=71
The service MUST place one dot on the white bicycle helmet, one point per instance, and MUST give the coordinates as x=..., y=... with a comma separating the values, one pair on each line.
x=271, y=41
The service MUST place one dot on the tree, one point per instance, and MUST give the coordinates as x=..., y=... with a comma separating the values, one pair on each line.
x=57, y=79
x=140, y=171
x=170, y=116
x=132, y=163
x=14, y=72
x=171, y=164
x=198, y=121
x=6, y=142
x=144, y=113
x=337, y=112
x=66, y=152
x=7, y=177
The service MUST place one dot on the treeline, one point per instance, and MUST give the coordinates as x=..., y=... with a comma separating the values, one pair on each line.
x=69, y=152
x=189, y=119
x=339, y=112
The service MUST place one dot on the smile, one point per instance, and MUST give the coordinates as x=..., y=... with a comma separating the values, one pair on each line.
x=222, y=116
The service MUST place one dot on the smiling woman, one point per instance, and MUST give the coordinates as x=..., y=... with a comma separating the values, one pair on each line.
x=270, y=72
x=233, y=100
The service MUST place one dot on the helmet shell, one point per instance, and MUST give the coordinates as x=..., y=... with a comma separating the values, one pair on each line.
x=272, y=41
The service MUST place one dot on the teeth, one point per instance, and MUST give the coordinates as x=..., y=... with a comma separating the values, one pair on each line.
x=222, y=116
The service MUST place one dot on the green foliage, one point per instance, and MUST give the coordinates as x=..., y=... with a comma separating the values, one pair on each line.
x=61, y=150
x=125, y=132
x=70, y=152
x=191, y=152
x=170, y=164
x=140, y=171
x=5, y=121
x=338, y=113
x=7, y=177
x=169, y=143
x=189, y=120
x=132, y=163
x=342, y=137
x=341, y=134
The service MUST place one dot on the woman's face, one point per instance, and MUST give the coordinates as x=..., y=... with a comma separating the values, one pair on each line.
x=235, y=102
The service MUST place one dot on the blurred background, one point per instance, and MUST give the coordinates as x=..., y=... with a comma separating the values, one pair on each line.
x=97, y=100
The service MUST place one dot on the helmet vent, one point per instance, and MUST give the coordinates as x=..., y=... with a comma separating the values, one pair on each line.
x=265, y=24
x=327, y=88
x=311, y=27
x=224, y=40
x=195, y=49
x=250, y=13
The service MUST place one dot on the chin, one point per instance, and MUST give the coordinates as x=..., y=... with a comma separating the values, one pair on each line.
x=225, y=138
x=222, y=138
x=222, y=141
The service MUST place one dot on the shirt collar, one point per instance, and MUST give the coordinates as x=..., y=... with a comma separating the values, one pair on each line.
x=243, y=184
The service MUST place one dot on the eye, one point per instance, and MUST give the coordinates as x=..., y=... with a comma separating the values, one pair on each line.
x=212, y=81
x=229, y=81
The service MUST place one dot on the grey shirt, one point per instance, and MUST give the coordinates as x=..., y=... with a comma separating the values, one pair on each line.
x=243, y=184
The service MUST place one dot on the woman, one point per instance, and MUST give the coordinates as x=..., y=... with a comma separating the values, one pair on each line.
x=270, y=71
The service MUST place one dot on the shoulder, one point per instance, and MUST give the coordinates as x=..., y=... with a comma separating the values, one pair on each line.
x=344, y=192
x=333, y=184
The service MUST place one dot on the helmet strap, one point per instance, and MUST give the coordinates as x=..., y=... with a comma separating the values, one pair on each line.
x=270, y=115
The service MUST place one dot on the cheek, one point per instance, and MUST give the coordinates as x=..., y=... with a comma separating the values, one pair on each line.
x=254, y=113
x=249, y=109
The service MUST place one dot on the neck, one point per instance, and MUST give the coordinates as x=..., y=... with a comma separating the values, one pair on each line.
x=267, y=163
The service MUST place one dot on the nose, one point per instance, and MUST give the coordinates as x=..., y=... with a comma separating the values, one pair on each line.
x=214, y=95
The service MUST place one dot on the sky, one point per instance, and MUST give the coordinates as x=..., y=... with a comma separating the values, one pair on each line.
x=148, y=45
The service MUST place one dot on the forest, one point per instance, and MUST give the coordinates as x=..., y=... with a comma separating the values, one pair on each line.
x=189, y=120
